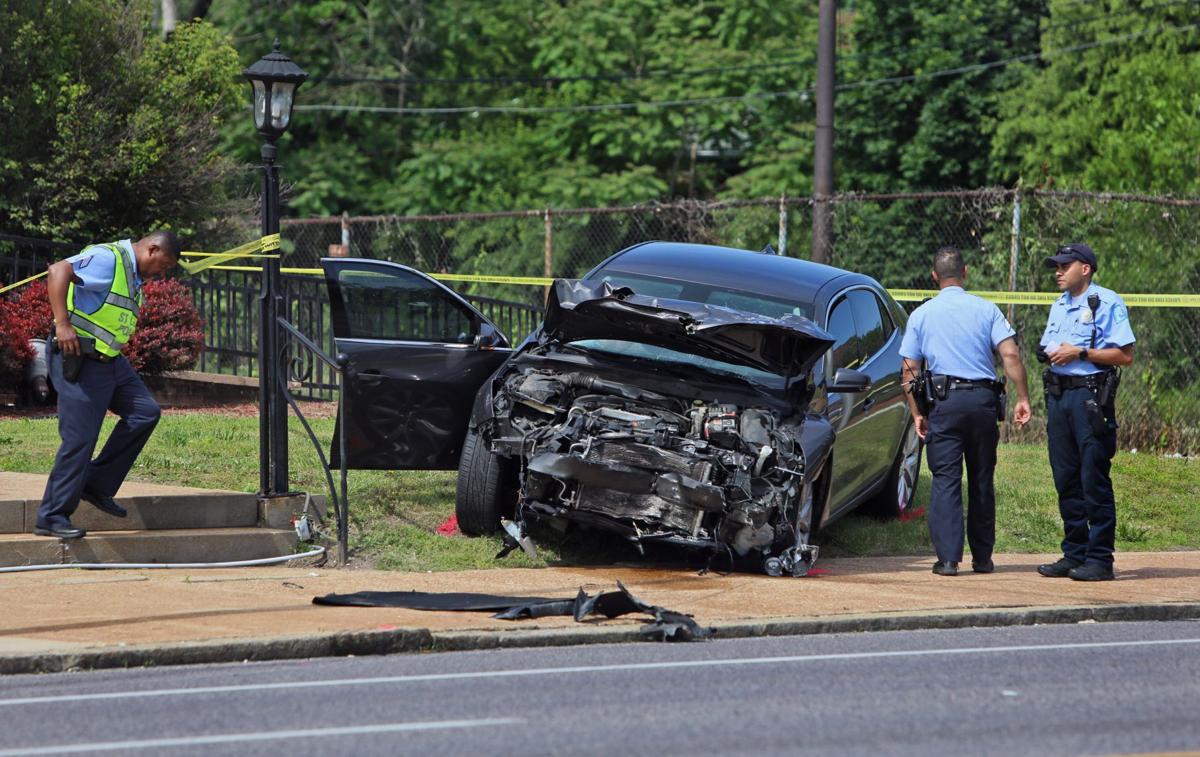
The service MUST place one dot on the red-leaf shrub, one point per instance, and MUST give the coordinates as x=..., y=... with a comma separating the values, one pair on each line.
x=24, y=315
x=34, y=305
x=14, y=344
x=170, y=335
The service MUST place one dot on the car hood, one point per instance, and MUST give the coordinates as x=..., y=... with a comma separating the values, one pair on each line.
x=785, y=346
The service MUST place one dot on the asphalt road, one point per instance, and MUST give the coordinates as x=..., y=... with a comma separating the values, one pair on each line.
x=1121, y=688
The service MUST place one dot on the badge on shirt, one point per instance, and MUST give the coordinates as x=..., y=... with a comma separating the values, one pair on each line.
x=1085, y=316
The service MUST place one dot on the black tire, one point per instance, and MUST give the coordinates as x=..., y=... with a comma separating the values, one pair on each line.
x=896, y=500
x=481, y=495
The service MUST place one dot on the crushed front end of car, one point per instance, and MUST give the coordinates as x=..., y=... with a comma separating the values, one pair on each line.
x=666, y=421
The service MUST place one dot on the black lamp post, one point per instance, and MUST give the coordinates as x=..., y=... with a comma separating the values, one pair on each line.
x=275, y=79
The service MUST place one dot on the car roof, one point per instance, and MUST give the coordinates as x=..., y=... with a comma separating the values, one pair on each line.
x=730, y=268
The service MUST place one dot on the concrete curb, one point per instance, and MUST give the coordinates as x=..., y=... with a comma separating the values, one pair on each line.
x=403, y=640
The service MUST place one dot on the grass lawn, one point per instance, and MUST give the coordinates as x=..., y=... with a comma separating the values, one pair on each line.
x=393, y=514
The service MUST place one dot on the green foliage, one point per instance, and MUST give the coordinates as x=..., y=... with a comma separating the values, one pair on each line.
x=1117, y=116
x=580, y=54
x=105, y=129
x=900, y=127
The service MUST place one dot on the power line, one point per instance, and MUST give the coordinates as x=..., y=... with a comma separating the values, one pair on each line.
x=544, y=80
x=666, y=73
x=802, y=94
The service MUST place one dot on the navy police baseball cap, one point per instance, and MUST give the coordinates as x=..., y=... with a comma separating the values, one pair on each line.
x=1070, y=252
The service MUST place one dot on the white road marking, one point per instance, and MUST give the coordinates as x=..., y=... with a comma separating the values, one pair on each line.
x=632, y=666
x=236, y=738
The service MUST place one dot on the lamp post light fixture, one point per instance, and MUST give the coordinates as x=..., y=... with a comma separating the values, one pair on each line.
x=274, y=79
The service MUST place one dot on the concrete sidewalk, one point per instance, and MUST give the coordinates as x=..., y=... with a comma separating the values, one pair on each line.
x=66, y=619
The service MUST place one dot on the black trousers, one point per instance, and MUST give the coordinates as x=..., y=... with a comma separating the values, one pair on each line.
x=82, y=406
x=1081, y=461
x=963, y=427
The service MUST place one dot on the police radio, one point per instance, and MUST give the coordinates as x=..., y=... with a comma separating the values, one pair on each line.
x=1093, y=305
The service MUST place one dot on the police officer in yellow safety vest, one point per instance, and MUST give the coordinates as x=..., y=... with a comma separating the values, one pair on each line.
x=95, y=297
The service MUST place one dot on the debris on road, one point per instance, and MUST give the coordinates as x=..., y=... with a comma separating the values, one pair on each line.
x=667, y=625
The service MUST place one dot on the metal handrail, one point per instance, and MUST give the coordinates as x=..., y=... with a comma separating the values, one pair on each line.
x=341, y=505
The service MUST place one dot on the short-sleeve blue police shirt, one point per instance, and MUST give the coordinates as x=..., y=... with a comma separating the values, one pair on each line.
x=956, y=334
x=1071, y=322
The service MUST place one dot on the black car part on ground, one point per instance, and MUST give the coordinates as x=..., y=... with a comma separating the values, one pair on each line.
x=678, y=455
x=667, y=625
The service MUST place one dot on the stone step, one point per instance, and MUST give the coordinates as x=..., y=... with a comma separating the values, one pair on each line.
x=183, y=545
x=146, y=512
x=153, y=507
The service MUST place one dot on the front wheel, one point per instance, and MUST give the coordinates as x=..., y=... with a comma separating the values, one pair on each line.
x=481, y=495
x=896, y=499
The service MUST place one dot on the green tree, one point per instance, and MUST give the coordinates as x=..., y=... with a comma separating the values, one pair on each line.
x=562, y=57
x=104, y=128
x=1118, y=115
x=904, y=125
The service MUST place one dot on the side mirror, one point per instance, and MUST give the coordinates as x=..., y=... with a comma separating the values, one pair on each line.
x=488, y=337
x=848, y=380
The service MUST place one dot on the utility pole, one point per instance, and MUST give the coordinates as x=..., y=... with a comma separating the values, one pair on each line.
x=168, y=18
x=822, y=238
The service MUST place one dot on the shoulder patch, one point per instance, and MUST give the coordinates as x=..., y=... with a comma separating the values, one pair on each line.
x=83, y=262
x=1120, y=314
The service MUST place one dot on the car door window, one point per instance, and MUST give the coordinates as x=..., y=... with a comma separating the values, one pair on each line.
x=403, y=307
x=845, y=352
x=869, y=322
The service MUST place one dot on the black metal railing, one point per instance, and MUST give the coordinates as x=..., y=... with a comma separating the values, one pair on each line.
x=226, y=301
x=21, y=256
x=299, y=368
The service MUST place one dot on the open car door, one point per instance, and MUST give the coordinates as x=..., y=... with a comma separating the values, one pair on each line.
x=418, y=354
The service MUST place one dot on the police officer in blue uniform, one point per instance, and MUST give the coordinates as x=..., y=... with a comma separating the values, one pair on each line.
x=1087, y=338
x=95, y=297
x=956, y=336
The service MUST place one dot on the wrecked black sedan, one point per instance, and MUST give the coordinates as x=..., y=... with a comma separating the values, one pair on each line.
x=698, y=396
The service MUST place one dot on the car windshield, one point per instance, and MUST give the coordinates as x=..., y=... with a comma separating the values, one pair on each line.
x=736, y=299
x=680, y=359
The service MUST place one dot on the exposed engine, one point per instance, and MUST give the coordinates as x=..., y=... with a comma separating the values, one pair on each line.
x=658, y=468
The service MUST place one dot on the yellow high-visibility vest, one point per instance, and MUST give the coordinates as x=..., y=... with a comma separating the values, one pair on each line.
x=114, y=323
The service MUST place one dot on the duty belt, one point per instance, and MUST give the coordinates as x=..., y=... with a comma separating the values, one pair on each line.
x=1064, y=382
x=954, y=382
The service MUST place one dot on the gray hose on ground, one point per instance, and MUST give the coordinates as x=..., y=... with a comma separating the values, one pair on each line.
x=149, y=565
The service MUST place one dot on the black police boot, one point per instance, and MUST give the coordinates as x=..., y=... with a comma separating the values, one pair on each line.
x=1061, y=568
x=983, y=566
x=60, y=531
x=1092, y=571
x=945, y=568
x=104, y=504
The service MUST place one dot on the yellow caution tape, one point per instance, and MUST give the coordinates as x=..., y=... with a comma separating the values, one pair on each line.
x=536, y=281
x=23, y=281
x=212, y=259
x=265, y=244
x=1048, y=298
x=220, y=254
x=217, y=261
x=470, y=277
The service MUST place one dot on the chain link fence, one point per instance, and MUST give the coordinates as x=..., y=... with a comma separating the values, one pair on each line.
x=1146, y=244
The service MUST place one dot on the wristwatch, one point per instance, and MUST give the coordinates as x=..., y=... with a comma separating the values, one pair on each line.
x=1083, y=353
